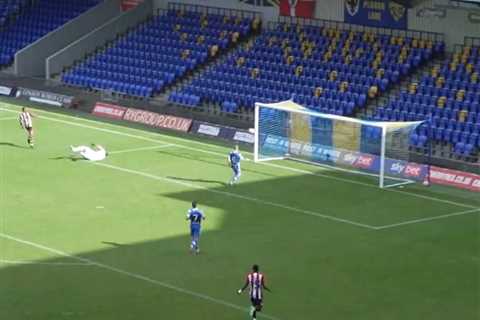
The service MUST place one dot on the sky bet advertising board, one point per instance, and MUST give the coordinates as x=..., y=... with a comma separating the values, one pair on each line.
x=376, y=13
x=273, y=145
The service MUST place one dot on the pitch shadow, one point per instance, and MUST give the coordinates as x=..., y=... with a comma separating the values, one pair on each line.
x=71, y=158
x=13, y=145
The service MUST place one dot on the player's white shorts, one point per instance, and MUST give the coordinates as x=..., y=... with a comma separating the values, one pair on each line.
x=90, y=154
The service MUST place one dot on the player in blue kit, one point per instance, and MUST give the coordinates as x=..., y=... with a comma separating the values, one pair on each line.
x=234, y=158
x=195, y=216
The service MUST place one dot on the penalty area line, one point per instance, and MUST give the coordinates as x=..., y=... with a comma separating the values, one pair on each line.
x=134, y=275
x=415, y=221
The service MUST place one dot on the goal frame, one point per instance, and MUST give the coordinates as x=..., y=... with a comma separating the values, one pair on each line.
x=382, y=125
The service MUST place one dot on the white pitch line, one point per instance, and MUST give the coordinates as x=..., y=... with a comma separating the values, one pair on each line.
x=461, y=213
x=234, y=195
x=45, y=263
x=7, y=118
x=134, y=275
x=141, y=149
x=417, y=195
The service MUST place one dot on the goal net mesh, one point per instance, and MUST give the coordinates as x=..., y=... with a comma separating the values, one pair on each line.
x=287, y=130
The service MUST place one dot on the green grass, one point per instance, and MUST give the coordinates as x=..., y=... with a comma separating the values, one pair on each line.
x=109, y=240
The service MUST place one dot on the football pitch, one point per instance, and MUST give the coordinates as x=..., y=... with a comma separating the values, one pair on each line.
x=109, y=240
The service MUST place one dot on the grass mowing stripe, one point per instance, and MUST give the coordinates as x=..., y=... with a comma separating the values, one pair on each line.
x=444, y=216
x=223, y=155
x=133, y=275
x=234, y=195
x=7, y=118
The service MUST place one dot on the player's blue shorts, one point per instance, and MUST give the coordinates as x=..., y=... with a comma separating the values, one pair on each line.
x=236, y=170
x=195, y=231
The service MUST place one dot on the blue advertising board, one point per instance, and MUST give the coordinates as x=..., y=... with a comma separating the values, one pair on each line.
x=273, y=145
x=376, y=13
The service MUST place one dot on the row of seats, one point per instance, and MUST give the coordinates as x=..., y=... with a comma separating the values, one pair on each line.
x=159, y=56
x=362, y=38
x=310, y=77
x=213, y=90
x=464, y=143
x=421, y=112
x=190, y=19
x=429, y=95
x=451, y=84
x=316, y=61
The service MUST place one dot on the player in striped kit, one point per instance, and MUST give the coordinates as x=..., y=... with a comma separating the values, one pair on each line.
x=26, y=123
x=256, y=281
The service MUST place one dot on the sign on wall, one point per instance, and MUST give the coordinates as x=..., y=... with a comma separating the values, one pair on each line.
x=376, y=13
x=130, y=4
x=45, y=97
x=297, y=8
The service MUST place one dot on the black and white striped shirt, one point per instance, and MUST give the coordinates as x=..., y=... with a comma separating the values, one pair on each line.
x=256, y=281
x=25, y=120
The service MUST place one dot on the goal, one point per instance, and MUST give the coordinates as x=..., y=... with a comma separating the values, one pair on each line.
x=286, y=130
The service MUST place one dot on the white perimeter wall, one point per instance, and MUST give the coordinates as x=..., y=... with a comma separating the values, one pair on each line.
x=455, y=26
x=269, y=13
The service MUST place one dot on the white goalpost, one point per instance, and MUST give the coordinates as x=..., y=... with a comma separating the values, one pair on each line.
x=286, y=130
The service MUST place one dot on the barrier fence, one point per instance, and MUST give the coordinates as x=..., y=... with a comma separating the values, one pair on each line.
x=418, y=34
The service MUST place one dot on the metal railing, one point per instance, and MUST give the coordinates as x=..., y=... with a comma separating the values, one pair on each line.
x=467, y=41
x=418, y=34
x=471, y=41
x=214, y=10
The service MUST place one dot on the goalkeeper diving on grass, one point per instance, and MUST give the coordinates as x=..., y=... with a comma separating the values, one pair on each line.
x=234, y=159
x=94, y=152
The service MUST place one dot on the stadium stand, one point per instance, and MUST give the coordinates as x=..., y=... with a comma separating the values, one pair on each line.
x=449, y=97
x=324, y=68
x=36, y=21
x=10, y=8
x=158, y=52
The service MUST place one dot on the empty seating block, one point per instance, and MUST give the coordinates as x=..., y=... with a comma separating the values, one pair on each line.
x=36, y=21
x=155, y=54
x=328, y=70
x=449, y=98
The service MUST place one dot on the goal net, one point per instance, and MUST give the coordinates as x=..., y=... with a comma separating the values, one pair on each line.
x=286, y=130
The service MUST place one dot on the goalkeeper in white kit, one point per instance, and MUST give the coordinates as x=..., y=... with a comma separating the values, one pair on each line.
x=94, y=152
